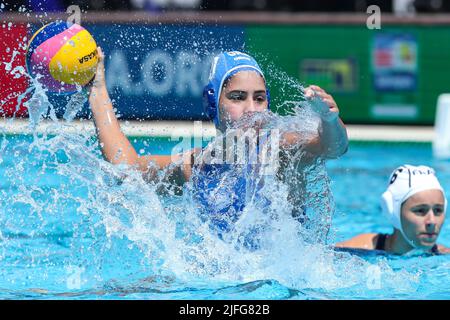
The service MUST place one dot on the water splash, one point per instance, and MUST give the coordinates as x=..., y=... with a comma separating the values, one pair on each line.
x=75, y=104
x=121, y=228
x=114, y=210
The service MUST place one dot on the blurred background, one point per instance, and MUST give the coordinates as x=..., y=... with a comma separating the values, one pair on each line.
x=395, y=6
x=159, y=52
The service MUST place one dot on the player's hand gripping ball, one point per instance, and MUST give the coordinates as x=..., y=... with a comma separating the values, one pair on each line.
x=63, y=55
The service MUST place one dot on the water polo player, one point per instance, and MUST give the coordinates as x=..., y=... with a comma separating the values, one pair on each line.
x=415, y=204
x=236, y=88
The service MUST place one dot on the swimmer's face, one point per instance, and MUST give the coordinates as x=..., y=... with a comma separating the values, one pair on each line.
x=422, y=217
x=245, y=92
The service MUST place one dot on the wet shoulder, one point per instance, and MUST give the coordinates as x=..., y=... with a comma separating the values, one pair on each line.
x=366, y=241
x=443, y=250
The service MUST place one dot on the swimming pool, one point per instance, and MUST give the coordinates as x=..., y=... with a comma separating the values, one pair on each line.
x=70, y=229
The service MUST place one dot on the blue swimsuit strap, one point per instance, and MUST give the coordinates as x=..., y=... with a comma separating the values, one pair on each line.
x=209, y=175
x=262, y=139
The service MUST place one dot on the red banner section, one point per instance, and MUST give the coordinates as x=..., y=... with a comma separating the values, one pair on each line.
x=12, y=55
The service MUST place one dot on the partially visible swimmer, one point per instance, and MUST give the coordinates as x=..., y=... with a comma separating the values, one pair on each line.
x=415, y=204
x=236, y=90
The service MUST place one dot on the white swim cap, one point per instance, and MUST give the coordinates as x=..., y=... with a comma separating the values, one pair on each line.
x=404, y=182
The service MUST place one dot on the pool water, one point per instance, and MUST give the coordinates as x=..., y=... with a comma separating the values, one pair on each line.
x=71, y=227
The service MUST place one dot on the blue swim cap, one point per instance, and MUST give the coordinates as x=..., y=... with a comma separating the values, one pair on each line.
x=223, y=67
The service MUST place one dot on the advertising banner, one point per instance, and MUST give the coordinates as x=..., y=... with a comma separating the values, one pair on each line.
x=158, y=71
